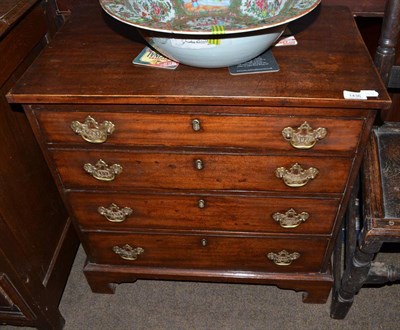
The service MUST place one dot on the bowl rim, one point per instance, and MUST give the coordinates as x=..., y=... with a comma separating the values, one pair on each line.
x=259, y=27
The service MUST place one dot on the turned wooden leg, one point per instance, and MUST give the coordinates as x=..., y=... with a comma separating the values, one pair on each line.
x=355, y=275
x=381, y=273
x=337, y=262
x=343, y=257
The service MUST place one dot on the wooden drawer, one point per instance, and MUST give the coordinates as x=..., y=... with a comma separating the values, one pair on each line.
x=178, y=130
x=179, y=171
x=203, y=212
x=207, y=252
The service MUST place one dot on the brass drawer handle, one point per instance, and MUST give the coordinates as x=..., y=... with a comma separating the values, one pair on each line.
x=199, y=164
x=127, y=252
x=290, y=219
x=115, y=214
x=304, y=137
x=196, y=125
x=91, y=131
x=296, y=176
x=101, y=171
x=283, y=258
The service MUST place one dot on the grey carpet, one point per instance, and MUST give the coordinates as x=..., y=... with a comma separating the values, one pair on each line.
x=213, y=306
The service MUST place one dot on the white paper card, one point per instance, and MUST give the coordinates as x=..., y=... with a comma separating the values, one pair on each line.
x=361, y=95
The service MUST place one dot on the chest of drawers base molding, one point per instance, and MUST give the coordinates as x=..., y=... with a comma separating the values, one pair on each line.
x=104, y=279
x=197, y=175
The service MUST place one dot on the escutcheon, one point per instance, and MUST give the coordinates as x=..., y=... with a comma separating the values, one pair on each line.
x=304, y=137
x=91, y=131
x=196, y=125
x=199, y=164
x=201, y=203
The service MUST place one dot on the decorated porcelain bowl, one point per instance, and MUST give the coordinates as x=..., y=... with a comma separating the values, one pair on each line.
x=209, y=33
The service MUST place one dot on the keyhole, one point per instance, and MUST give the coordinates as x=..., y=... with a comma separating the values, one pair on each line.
x=196, y=125
x=201, y=203
x=198, y=163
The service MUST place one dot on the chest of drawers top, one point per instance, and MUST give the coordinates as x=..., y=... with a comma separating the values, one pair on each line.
x=90, y=62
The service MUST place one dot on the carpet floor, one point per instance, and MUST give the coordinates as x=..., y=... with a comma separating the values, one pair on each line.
x=167, y=305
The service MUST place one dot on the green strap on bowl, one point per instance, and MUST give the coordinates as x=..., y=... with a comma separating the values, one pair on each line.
x=216, y=29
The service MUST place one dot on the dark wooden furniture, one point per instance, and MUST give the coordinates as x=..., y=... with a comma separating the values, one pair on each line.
x=37, y=241
x=364, y=8
x=385, y=56
x=378, y=205
x=194, y=174
x=380, y=218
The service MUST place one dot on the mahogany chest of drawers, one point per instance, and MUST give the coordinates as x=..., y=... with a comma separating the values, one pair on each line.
x=194, y=174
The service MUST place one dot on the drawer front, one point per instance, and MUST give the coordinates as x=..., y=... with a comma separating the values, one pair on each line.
x=94, y=211
x=131, y=170
x=206, y=252
x=175, y=130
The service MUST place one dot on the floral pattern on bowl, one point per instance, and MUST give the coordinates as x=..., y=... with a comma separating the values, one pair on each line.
x=201, y=16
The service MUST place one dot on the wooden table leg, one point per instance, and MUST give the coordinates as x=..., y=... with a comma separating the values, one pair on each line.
x=354, y=276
